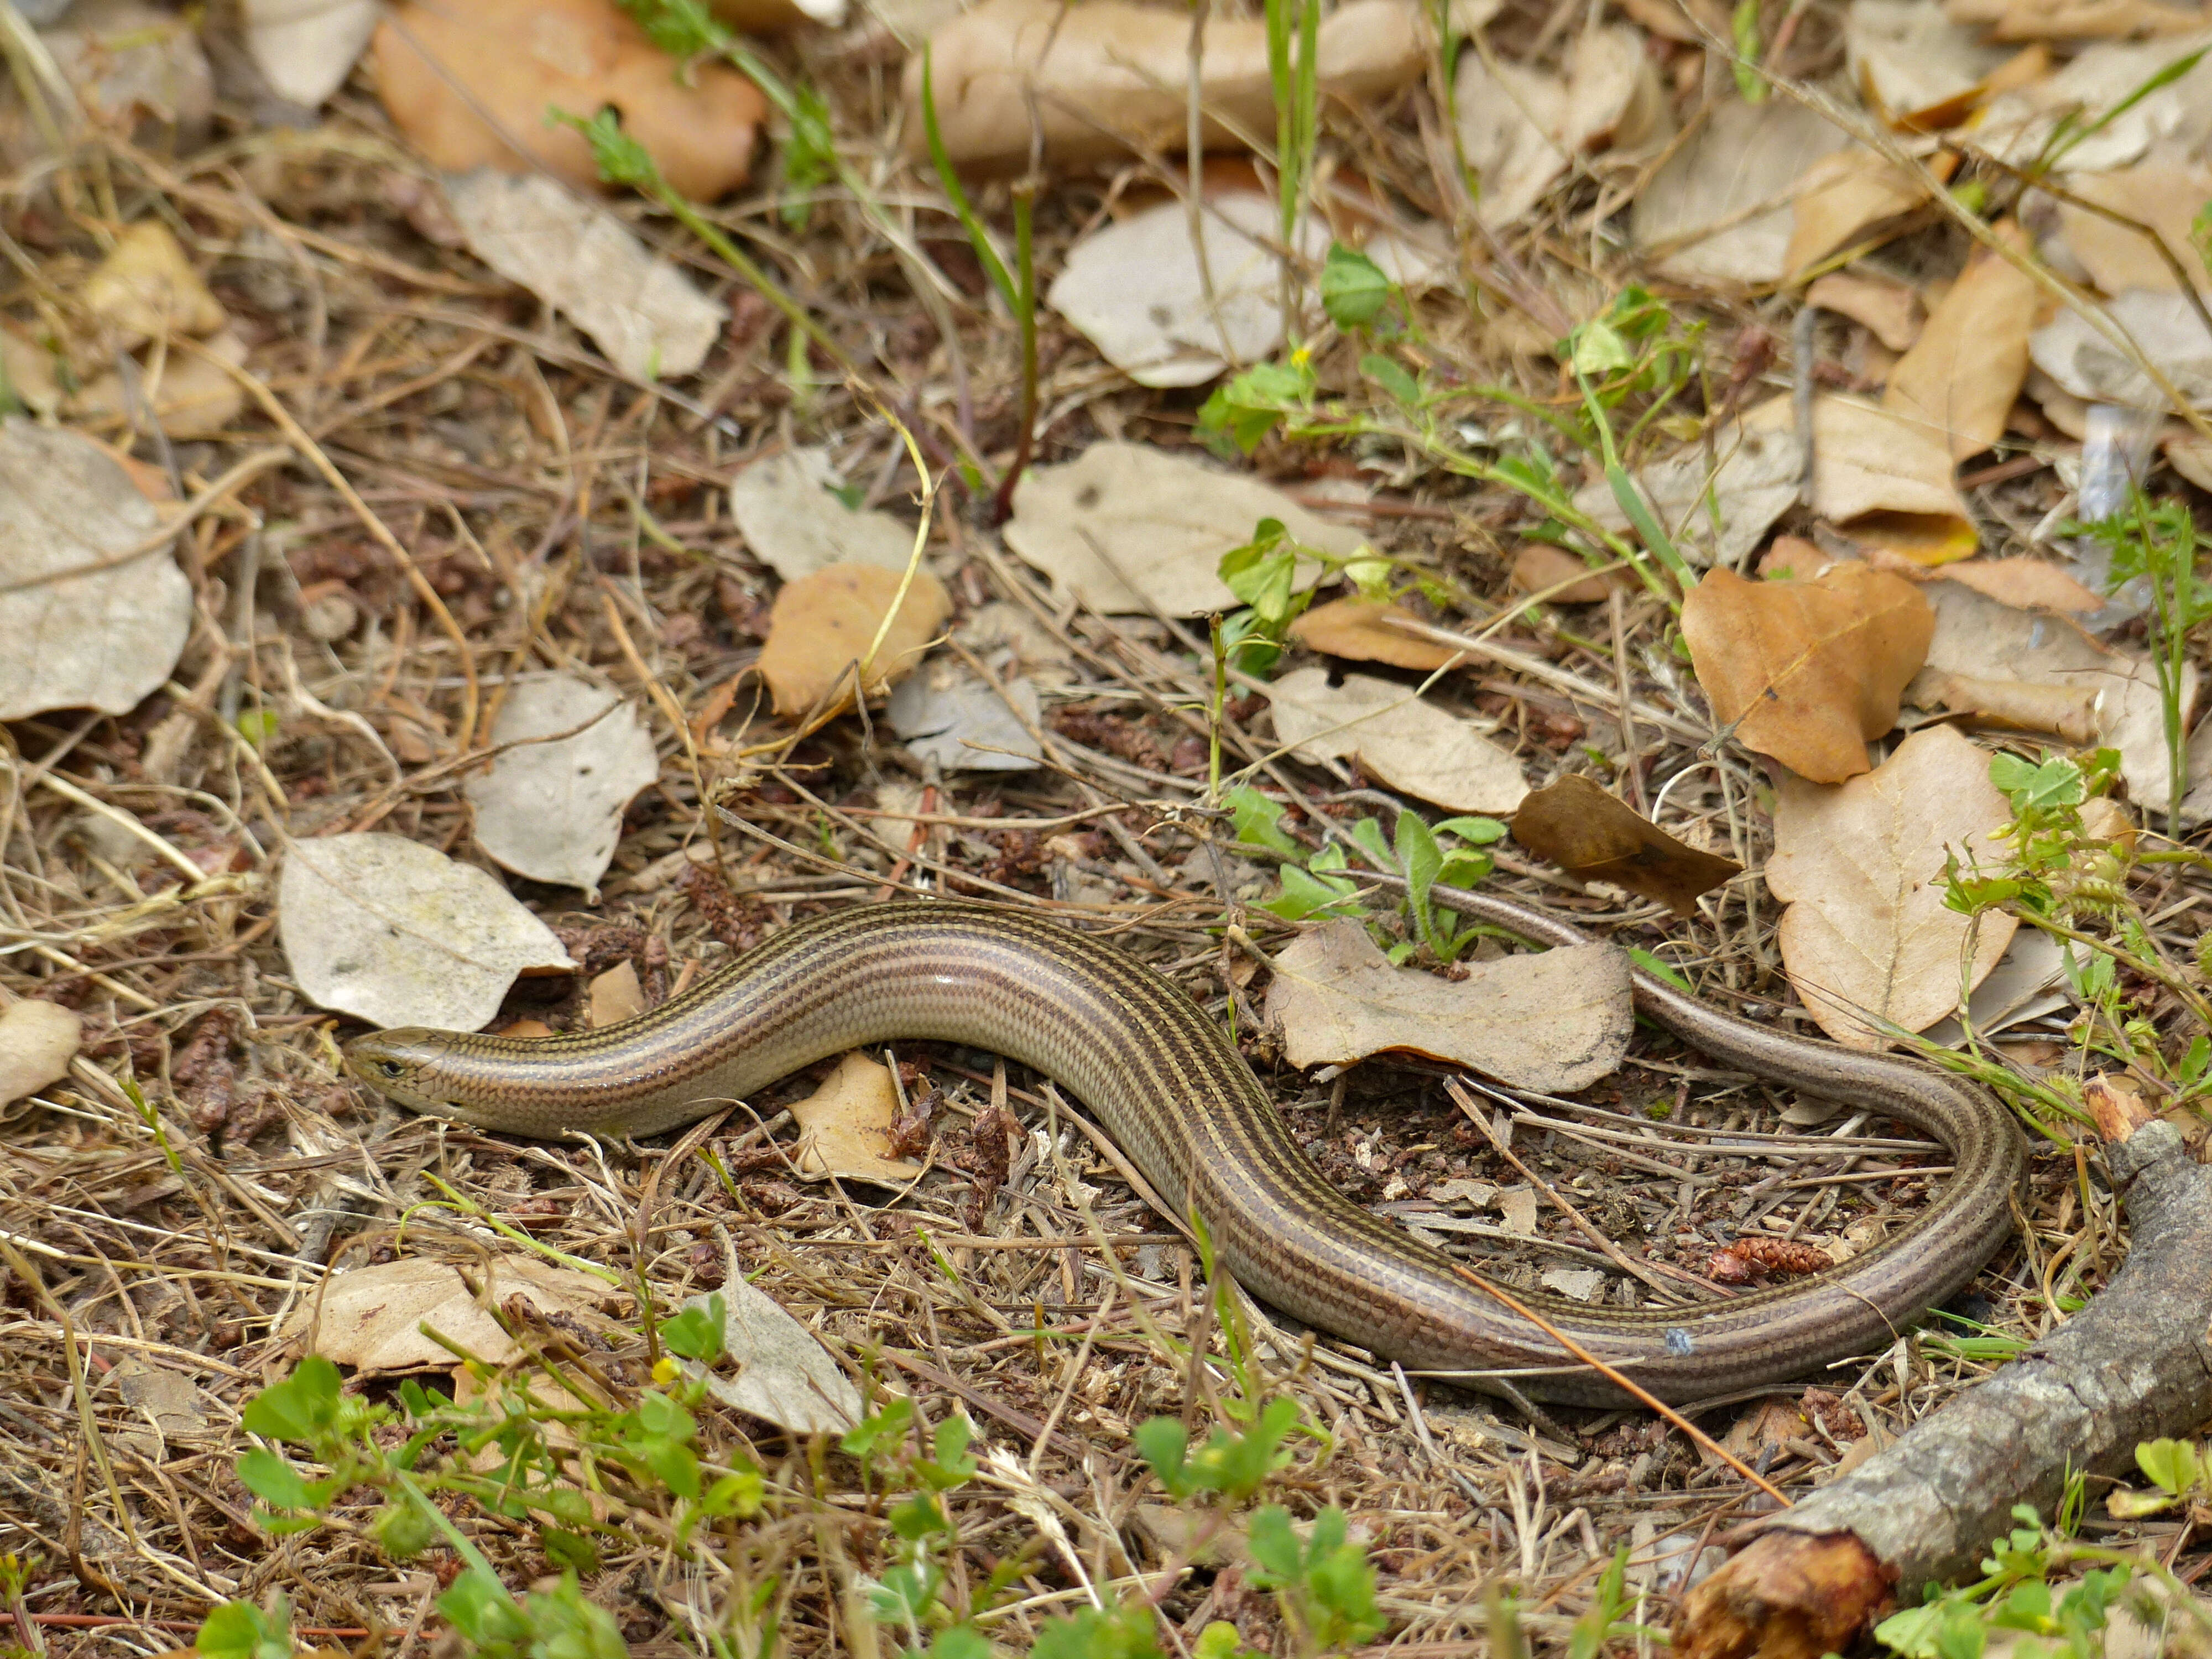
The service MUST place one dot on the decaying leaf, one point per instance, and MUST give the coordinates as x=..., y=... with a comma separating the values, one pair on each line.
x=108, y=634
x=1918, y=67
x=1521, y=127
x=1110, y=78
x=795, y=523
x=1867, y=935
x=845, y=1125
x=1352, y=628
x=470, y=86
x=615, y=996
x=1588, y=833
x=2028, y=981
x=2072, y=352
x=1409, y=743
x=1808, y=671
x=582, y=261
x=165, y=1404
x=2076, y=19
x=2068, y=712
x=1705, y=214
x=1563, y=579
x=148, y=289
x=785, y=1376
x=1555, y=1020
x=2114, y=79
x=2166, y=195
x=38, y=1040
x=1844, y=199
x=306, y=52
x=1962, y=376
x=368, y=1318
x=946, y=714
x=571, y=756
x=1887, y=481
x=823, y=625
x=1127, y=528
x=396, y=932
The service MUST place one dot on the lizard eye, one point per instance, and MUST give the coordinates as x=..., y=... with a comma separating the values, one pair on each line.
x=390, y=1067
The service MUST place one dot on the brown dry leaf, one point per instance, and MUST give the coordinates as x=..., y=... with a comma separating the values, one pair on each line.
x=1919, y=69
x=2165, y=195
x=845, y=1125
x=1843, y=198
x=2076, y=20
x=1563, y=579
x=1963, y=373
x=1891, y=311
x=38, y=1040
x=470, y=86
x=366, y=1317
x=1861, y=866
x=1589, y=833
x=1409, y=743
x=616, y=995
x=1808, y=671
x=1554, y=1020
x=1521, y=127
x=823, y=624
x=1886, y=481
x=1719, y=210
x=1109, y=78
x=146, y=288
x=2024, y=582
x=1352, y=628
x=2064, y=711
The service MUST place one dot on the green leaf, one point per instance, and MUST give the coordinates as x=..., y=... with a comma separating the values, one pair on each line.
x=1596, y=351
x=1305, y=895
x=402, y=1531
x=682, y=28
x=620, y=158
x=2037, y=788
x=478, y=1606
x=1745, y=27
x=1912, y=1631
x=563, y=1625
x=2173, y=1464
x=697, y=1333
x=1659, y=970
x=1165, y=1444
x=886, y=1428
x=574, y=1551
x=1219, y=1640
x=1274, y=1547
x=277, y=1484
x=1367, y=835
x=1390, y=376
x=1263, y=571
x=1354, y=290
x=2123, y=1504
x=2193, y=1063
x=1258, y=820
x=299, y=1407
x=1124, y=1632
x=1477, y=832
x=239, y=1629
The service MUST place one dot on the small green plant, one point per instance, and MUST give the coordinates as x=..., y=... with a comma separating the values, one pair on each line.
x=2179, y=1474
x=1264, y=573
x=1744, y=26
x=1294, y=78
x=2200, y=236
x=2017, y=1594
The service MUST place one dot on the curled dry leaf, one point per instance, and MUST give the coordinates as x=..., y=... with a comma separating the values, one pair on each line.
x=1110, y=78
x=1920, y=69
x=1887, y=481
x=399, y=934
x=571, y=756
x=38, y=1040
x=582, y=261
x=2068, y=712
x=104, y=636
x=794, y=523
x=1554, y=1020
x=1521, y=127
x=1589, y=833
x=2120, y=80
x=947, y=715
x=785, y=1376
x=1808, y=671
x=2028, y=982
x=1127, y=528
x=369, y=1318
x=2024, y=582
x=845, y=1125
x=1353, y=628
x=1961, y=377
x=2165, y=195
x=1705, y=217
x=1409, y=743
x=1842, y=199
x=823, y=625
x=470, y=87
x=1867, y=935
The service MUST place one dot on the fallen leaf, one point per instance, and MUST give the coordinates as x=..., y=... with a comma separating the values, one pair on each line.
x=1589, y=833
x=571, y=756
x=1563, y=579
x=147, y=288
x=821, y=626
x=1962, y=376
x=2165, y=195
x=470, y=87
x=2028, y=982
x=368, y=1318
x=2165, y=325
x=1520, y=127
x=38, y=1040
x=960, y=723
x=2068, y=712
x=1168, y=312
x=1843, y=200
x=1578, y=1283
x=137, y=72
x=845, y=1125
x=399, y=934
x=1409, y=743
x=1017, y=645
x=2112, y=79
x=1890, y=311
x=1867, y=933
x=794, y=523
x=1108, y=78
x=1127, y=528
x=1554, y=1020
x=1716, y=497
x=1808, y=671
x=164, y=1402
x=191, y=397
x=1917, y=67
x=1978, y=639
x=785, y=1376
x=304, y=51
x=1516, y=1211
x=2076, y=20
x=2024, y=582
x=583, y=262
x=1352, y=628
x=1887, y=481
x=1706, y=215
x=102, y=638
x=615, y=996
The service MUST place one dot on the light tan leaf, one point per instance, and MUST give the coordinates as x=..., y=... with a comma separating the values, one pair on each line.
x=822, y=625
x=1808, y=671
x=2165, y=195
x=192, y=397
x=2028, y=981
x=845, y=1125
x=1554, y=1020
x=399, y=933
x=795, y=526
x=2165, y=325
x=1891, y=311
x=1520, y=127
x=470, y=86
x=2108, y=77
x=147, y=286
x=616, y=995
x=1108, y=78
x=1918, y=67
x=1718, y=499
x=306, y=52
x=1409, y=743
x=1589, y=833
x=2024, y=582
x=38, y=1040
x=551, y=808
x=946, y=714
x=1887, y=481
x=585, y=262
x=100, y=639
x=1563, y=579
x=2076, y=19
x=1963, y=373
x=367, y=1317
x=2068, y=712
x=1349, y=628
x=785, y=1376
x=1860, y=865
x=164, y=1404
x=1719, y=210
x=1843, y=198
x=1125, y=528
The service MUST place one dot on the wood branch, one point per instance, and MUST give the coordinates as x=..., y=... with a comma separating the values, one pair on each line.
x=2134, y=1365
